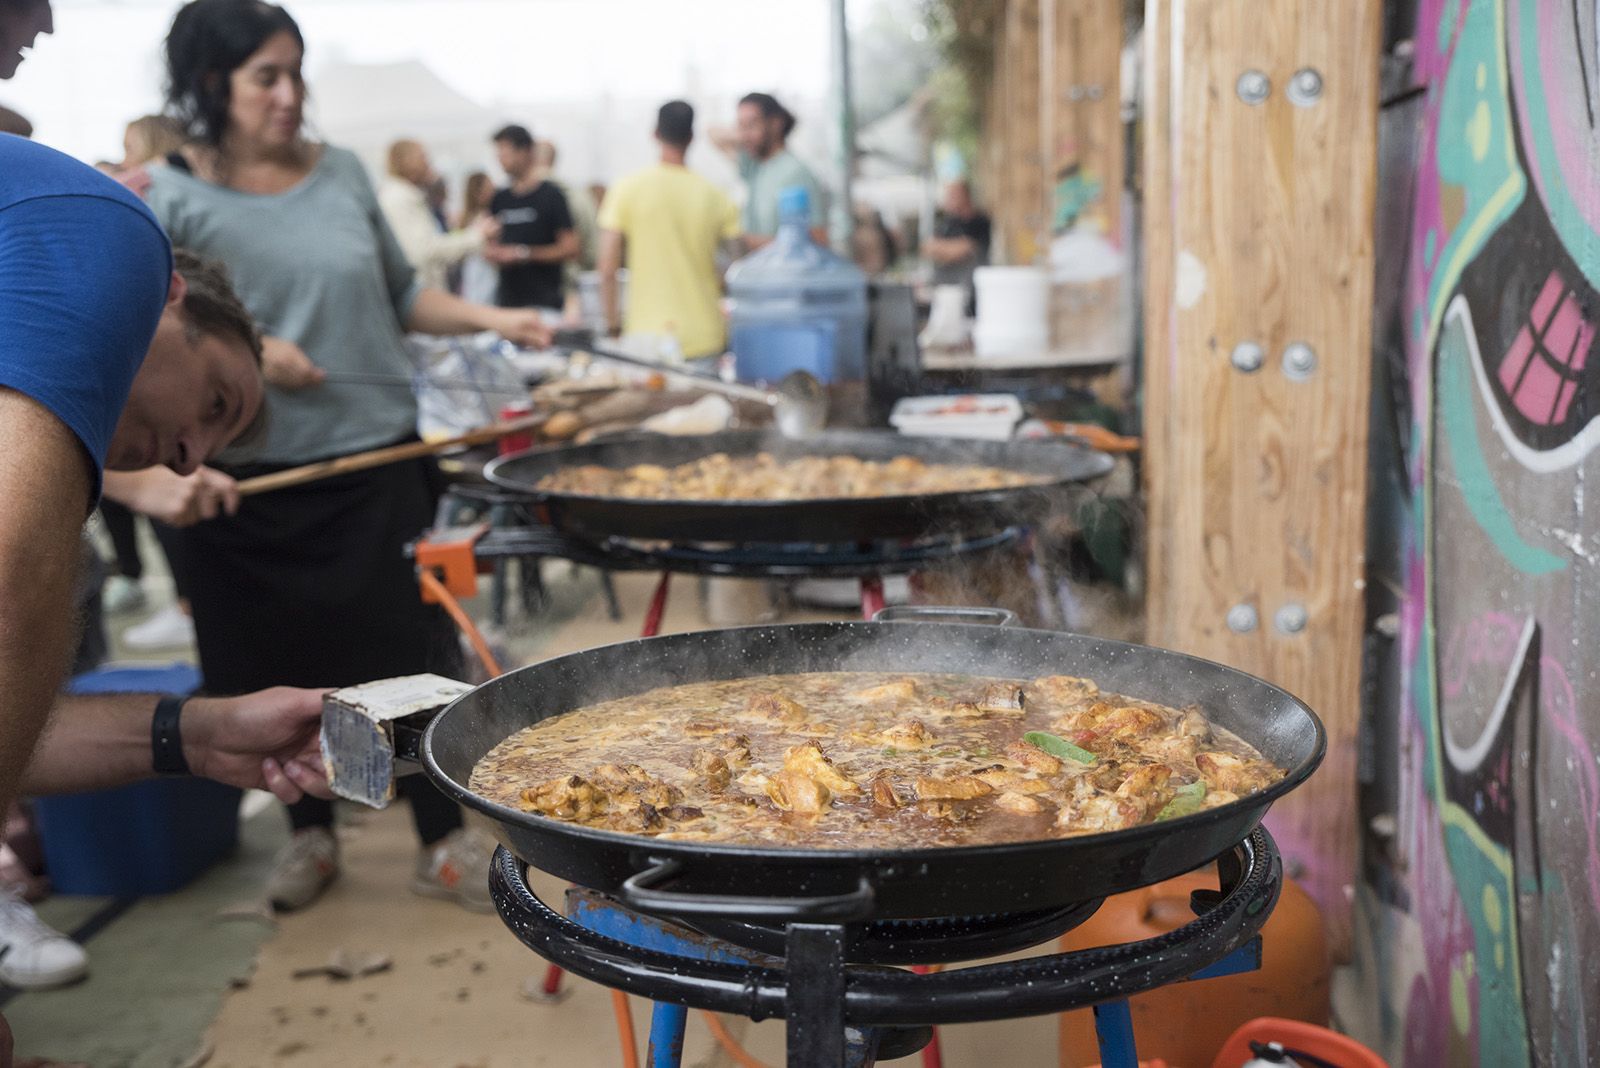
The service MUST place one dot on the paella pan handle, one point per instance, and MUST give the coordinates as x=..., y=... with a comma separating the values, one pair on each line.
x=929, y=613
x=640, y=893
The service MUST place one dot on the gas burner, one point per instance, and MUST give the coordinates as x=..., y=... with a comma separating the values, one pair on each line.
x=843, y=1007
x=936, y=941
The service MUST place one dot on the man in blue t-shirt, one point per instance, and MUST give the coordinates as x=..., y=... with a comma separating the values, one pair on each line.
x=109, y=358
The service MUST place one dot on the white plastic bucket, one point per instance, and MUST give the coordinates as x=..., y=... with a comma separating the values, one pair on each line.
x=1013, y=311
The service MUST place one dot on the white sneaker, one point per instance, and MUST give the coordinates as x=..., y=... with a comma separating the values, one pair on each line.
x=167, y=629
x=303, y=869
x=33, y=955
x=121, y=594
x=457, y=869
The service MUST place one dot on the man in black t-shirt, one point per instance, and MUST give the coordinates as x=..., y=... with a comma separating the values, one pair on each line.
x=960, y=241
x=536, y=231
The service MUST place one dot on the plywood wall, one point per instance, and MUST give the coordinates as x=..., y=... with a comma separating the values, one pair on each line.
x=1259, y=231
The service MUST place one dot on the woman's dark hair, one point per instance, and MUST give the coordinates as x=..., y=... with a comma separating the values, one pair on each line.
x=771, y=109
x=209, y=40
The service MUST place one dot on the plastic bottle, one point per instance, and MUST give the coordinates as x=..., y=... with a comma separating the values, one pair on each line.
x=797, y=306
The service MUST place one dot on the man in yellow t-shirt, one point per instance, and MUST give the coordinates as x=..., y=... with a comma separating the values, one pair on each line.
x=672, y=223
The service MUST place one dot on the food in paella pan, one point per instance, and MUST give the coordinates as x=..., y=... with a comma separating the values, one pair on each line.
x=858, y=760
x=763, y=477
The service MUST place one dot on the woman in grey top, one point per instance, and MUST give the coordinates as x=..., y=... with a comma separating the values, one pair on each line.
x=311, y=586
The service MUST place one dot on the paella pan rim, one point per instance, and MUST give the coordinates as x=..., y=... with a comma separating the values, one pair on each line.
x=905, y=859
x=814, y=519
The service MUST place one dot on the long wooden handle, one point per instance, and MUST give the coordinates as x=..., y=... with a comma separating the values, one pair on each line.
x=361, y=461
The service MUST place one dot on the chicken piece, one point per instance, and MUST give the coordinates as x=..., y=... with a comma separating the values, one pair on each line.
x=1129, y=722
x=1004, y=778
x=737, y=753
x=571, y=797
x=949, y=811
x=795, y=791
x=808, y=760
x=910, y=734
x=969, y=709
x=1024, y=804
x=775, y=706
x=1107, y=774
x=635, y=819
x=683, y=813
x=1065, y=689
x=905, y=467
x=634, y=781
x=951, y=788
x=883, y=792
x=1033, y=758
x=898, y=691
x=1217, y=798
x=1192, y=723
x=701, y=729
x=1149, y=785
x=1005, y=697
x=1224, y=771
x=1100, y=813
x=1173, y=749
x=713, y=768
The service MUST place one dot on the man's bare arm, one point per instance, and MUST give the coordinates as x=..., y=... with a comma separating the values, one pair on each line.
x=45, y=481
x=267, y=740
x=610, y=262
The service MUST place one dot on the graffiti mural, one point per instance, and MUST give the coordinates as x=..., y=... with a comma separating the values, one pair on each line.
x=1491, y=955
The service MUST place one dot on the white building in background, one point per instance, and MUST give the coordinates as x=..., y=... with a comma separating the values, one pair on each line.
x=588, y=74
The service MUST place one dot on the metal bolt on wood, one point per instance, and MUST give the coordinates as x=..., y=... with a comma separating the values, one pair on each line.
x=1253, y=87
x=1291, y=619
x=1299, y=361
x=1247, y=357
x=1305, y=88
x=1242, y=619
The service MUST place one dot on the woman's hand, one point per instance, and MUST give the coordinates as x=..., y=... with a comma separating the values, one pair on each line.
x=286, y=365
x=174, y=499
x=523, y=327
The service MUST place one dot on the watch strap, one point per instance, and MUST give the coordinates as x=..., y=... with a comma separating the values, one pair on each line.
x=166, y=740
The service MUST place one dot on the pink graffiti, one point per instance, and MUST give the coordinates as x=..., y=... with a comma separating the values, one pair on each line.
x=1540, y=371
x=1560, y=708
x=1447, y=938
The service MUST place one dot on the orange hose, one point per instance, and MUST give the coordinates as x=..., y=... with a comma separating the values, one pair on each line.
x=729, y=1044
x=624, y=1014
x=452, y=606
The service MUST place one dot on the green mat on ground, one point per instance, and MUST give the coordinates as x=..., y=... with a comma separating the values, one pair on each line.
x=157, y=974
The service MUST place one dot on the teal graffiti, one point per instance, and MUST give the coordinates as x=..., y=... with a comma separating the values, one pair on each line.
x=1476, y=150
x=1460, y=433
x=1074, y=192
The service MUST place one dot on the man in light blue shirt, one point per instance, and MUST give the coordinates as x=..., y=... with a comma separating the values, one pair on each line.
x=760, y=146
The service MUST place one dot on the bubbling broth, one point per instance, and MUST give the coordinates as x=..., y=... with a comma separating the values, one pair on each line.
x=872, y=760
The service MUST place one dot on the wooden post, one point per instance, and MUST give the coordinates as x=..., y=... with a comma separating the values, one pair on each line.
x=1082, y=92
x=1019, y=204
x=1259, y=232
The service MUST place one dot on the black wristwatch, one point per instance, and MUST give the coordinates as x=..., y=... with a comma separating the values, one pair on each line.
x=166, y=740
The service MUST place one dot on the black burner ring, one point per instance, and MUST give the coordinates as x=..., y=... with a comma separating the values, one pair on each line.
x=1228, y=919
x=934, y=941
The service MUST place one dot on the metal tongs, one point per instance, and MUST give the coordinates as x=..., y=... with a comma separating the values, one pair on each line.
x=799, y=404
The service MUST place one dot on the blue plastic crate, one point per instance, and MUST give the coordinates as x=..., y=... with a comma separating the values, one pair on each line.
x=149, y=838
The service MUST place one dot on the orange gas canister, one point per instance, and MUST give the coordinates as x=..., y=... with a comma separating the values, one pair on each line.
x=1186, y=1023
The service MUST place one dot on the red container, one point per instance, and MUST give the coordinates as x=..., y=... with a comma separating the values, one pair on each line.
x=521, y=441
